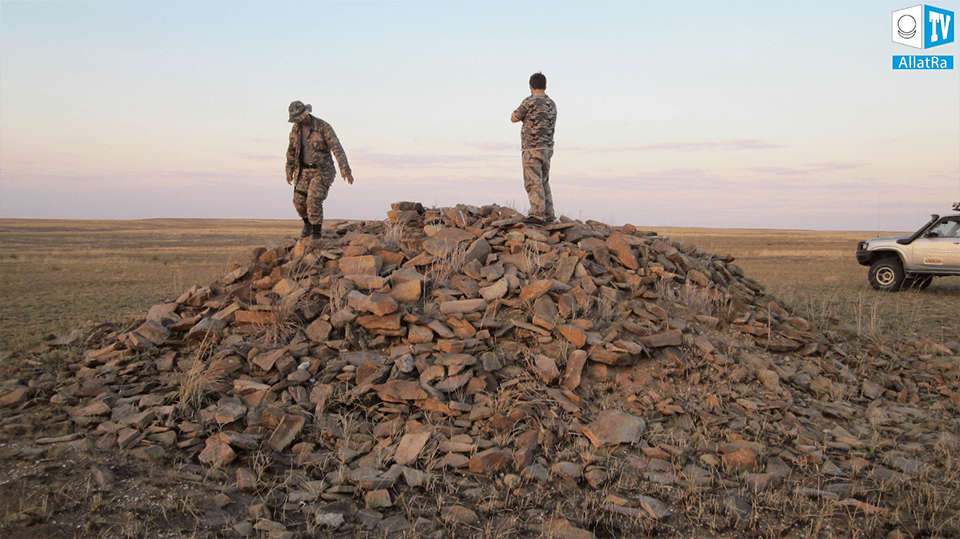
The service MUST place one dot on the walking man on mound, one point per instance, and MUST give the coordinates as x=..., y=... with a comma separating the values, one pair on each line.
x=539, y=116
x=310, y=166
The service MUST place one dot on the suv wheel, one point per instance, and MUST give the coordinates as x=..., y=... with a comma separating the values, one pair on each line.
x=886, y=274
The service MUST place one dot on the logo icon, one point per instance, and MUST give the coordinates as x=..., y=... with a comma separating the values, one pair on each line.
x=923, y=26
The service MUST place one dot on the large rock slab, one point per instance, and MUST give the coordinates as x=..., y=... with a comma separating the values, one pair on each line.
x=614, y=427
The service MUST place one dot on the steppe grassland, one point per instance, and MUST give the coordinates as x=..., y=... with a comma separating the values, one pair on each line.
x=56, y=276
x=815, y=274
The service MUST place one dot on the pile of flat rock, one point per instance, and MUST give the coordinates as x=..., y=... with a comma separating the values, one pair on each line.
x=331, y=379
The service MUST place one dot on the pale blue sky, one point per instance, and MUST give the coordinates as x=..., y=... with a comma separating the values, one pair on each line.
x=768, y=114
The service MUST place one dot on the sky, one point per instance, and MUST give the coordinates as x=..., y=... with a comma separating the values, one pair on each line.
x=723, y=114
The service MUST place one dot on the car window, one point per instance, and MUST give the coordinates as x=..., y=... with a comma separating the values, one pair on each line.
x=955, y=231
x=947, y=228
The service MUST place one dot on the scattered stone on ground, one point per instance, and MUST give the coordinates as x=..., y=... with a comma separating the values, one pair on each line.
x=335, y=381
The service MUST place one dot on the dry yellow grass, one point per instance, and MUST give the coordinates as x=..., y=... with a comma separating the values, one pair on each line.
x=56, y=276
x=816, y=274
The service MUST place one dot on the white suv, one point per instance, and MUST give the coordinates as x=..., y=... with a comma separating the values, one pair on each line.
x=913, y=261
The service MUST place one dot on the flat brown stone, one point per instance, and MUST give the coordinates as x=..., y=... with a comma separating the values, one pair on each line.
x=217, y=453
x=267, y=360
x=563, y=529
x=452, y=460
x=698, y=277
x=368, y=282
x=619, y=247
x=463, y=306
x=390, y=321
x=547, y=368
x=535, y=289
x=285, y=287
x=613, y=427
x=545, y=313
x=574, y=334
x=19, y=394
x=417, y=334
x=495, y=291
x=229, y=410
x=490, y=461
x=478, y=250
x=409, y=448
x=380, y=304
x=458, y=514
x=400, y=390
x=154, y=332
x=360, y=265
x=454, y=383
x=446, y=241
x=318, y=330
x=95, y=408
x=574, y=368
x=286, y=432
x=406, y=292
x=743, y=460
x=602, y=354
x=673, y=337
x=206, y=329
x=246, y=480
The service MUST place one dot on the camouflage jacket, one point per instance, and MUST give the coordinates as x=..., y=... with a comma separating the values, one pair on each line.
x=323, y=141
x=539, y=116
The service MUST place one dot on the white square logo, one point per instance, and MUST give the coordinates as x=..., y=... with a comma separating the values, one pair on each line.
x=923, y=26
x=908, y=27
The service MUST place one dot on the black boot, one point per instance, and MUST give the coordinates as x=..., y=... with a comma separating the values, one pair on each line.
x=307, y=228
x=317, y=232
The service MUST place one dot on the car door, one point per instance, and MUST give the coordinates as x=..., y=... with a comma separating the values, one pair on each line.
x=939, y=249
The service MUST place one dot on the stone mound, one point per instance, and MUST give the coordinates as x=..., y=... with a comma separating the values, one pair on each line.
x=460, y=351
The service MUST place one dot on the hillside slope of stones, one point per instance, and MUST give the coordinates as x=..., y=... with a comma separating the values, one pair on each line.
x=454, y=372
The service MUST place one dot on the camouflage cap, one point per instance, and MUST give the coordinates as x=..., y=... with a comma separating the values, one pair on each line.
x=298, y=109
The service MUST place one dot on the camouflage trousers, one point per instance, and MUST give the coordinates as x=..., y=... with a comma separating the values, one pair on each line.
x=536, y=180
x=309, y=192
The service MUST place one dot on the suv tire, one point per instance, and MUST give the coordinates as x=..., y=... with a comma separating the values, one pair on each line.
x=886, y=274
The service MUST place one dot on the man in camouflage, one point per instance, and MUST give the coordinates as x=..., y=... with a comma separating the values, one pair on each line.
x=310, y=167
x=539, y=116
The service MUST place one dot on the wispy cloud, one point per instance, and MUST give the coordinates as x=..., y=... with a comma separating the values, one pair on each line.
x=723, y=145
x=170, y=179
x=589, y=185
x=403, y=160
x=805, y=170
x=494, y=146
x=260, y=156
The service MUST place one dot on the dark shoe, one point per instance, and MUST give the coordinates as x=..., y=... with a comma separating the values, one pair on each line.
x=307, y=228
x=317, y=232
x=534, y=220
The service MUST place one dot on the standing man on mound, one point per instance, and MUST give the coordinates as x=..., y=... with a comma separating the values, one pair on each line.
x=310, y=166
x=539, y=116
